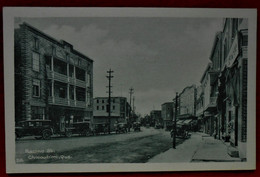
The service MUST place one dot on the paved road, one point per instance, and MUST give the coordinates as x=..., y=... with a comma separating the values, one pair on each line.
x=129, y=147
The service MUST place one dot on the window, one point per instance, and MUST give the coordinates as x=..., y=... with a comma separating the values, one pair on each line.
x=71, y=70
x=103, y=101
x=80, y=94
x=97, y=107
x=80, y=74
x=36, y=61
x=36, y=43
x=37, y=112
x=53, y=51
x=114, y=107
x=36, y=88
x=60, y=89
x=50, y=89
x=60, y=66
x=103, y=107
x=71, y=92
x=97, y=101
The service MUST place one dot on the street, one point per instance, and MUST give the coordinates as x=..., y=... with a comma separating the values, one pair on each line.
x=132, y=147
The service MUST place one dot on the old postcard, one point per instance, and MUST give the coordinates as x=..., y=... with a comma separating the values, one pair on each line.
x=129, y=89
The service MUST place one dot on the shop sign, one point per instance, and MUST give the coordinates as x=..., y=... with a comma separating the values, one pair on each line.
x=233, y=52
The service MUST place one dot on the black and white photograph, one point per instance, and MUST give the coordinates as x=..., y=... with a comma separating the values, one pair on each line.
x=127, y=89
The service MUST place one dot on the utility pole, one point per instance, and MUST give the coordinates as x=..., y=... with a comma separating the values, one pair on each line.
x=133, y=104
x=134, y=107
x=109, y=97
x=175, y=122
x=131, y=91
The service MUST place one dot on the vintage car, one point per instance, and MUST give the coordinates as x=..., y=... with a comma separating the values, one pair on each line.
x=136, y=126
x=38, y=128
x=121, y=127
x=158, y=126
x=99, y=128
x=82, y=128
x=181, y=131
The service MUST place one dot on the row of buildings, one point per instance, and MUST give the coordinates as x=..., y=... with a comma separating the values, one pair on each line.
x=53, y=81
x=218, y=105
x=221, y=102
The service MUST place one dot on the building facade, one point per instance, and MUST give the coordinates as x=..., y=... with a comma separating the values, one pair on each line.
x=187, y=102
x=52, y=80
x=120, y=110
x=232, y=100
x=156, y=117
x=167, y=115
x=200, y=107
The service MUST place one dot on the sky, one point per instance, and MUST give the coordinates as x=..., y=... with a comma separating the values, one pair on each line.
x=156, y=56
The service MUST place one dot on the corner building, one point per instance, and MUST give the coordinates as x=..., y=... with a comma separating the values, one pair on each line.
x=52, y=80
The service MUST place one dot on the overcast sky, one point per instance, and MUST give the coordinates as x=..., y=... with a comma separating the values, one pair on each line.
x=155, y=56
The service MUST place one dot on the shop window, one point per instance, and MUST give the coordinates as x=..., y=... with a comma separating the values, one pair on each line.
x=37, y=112
x=36, y=61
x=36, y=88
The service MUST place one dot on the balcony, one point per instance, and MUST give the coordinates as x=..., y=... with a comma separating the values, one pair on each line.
x=81, y=104
x=66, y=102
x=57, y=76
x=80, y=83
x=58, y=101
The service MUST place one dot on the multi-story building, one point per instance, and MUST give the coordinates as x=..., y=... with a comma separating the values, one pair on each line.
x=119, y=107
x=156, y=117
x=211, y=106
x=52, y=80
x=208, y=104
x=200, y=106
x=167, y=114
x=187, y=102
x=232, y=100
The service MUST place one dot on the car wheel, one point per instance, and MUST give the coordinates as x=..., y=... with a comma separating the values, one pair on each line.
x=46, y=134
x=68, y=134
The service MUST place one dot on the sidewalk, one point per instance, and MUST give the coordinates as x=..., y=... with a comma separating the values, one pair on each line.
x=198, y=148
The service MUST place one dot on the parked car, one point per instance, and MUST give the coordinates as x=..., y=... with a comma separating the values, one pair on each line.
x=100, y=128
x=38, y=128
x=121, y=127
x=181, y=131
x=158, y=126
x=136, y=126
x=82, y=128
